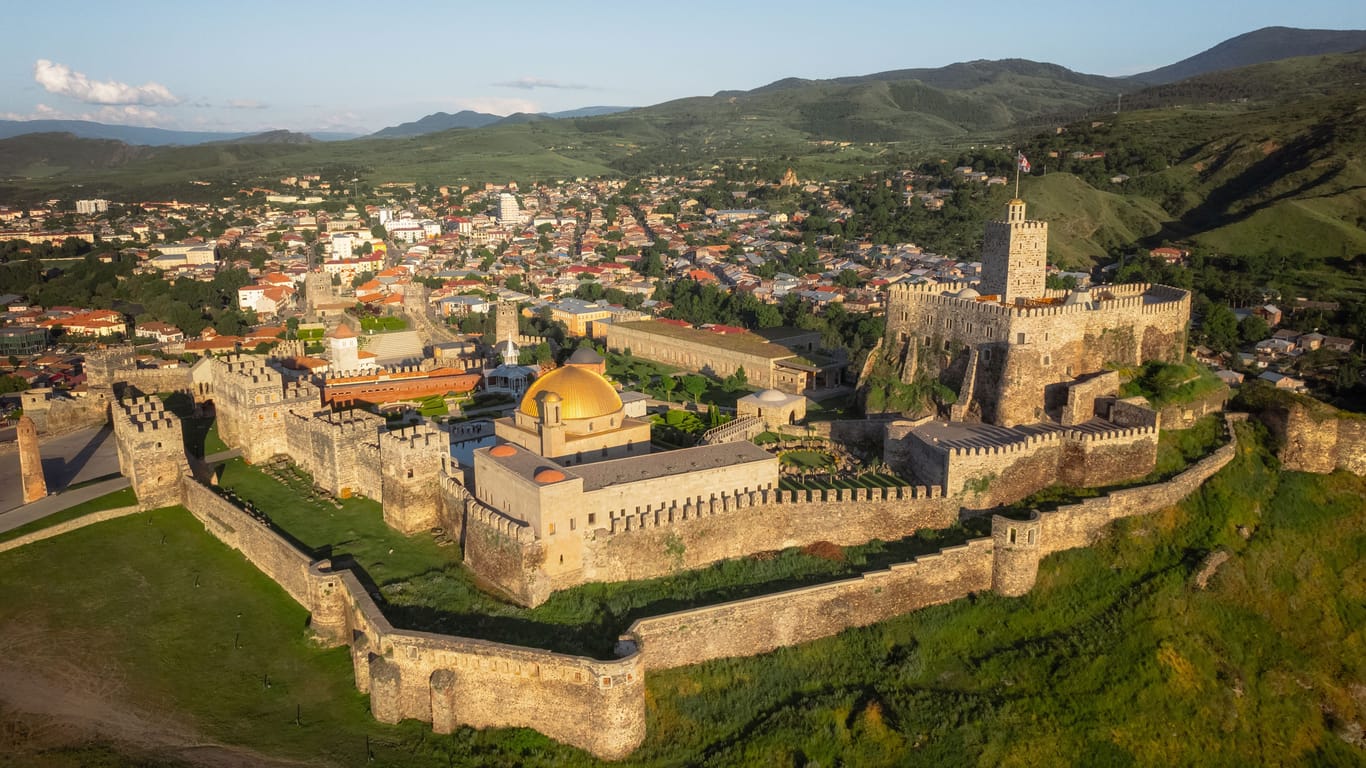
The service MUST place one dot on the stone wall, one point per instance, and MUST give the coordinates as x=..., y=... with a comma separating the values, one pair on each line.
x=714, y=360
x=762, y=624
x=665, y=541
x=67, y=526
x=1315, y=437
x=151, y=450
x=264, y=548
x=1006, y=563
x=1184, y=415
x=444, y=680
x=1027, y=353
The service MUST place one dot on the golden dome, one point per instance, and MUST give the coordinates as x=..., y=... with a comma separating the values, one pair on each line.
x=584, y=394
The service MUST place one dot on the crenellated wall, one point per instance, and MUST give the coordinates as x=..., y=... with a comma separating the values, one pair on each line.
x=1027, y=353
x=151, y=450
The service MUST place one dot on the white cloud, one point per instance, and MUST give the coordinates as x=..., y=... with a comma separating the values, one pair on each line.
x=498, y=105
x=115, y=115
x=532, y=83
x=246, y=104
x=61, y=79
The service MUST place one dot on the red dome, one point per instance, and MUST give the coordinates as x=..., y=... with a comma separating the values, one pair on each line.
x=546, y=476
x=502, y=451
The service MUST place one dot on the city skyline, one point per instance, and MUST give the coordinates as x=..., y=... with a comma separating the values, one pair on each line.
x=347, y=67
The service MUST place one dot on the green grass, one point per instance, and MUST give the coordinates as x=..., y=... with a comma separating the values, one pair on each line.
x=1114, y=658
x=382, y=324
x=1170, y=383
x=812, y=459
x=121, y=498
x=357, y=529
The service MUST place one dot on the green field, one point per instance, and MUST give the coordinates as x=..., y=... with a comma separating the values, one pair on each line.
x=1115, y=658
x=382, y=324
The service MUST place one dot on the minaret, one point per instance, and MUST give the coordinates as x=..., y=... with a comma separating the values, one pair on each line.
x=30, y=461
x=1014, y=256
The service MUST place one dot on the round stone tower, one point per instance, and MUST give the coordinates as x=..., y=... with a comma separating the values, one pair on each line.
x=1016, y=554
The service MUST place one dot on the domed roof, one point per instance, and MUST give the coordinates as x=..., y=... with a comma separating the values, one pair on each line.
x=771, y=396
x=584, y=356
x=502, y=451
x=585, y=394
x=547, y=476
x=968, y=293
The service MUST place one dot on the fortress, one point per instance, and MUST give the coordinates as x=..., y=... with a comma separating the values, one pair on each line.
x=1010, y=348
x=572, y=492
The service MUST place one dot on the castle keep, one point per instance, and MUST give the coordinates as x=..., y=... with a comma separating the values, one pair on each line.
x=1010, y=348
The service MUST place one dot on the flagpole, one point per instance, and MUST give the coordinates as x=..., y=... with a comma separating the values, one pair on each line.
x=1017, y=179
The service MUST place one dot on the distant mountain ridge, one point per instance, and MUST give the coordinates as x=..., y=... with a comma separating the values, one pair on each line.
x=443, y=121
x=1258, y=47
x=133, y=134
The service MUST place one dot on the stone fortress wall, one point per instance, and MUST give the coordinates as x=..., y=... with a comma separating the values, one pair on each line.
x=1314, y=437
x=1006, y=562
x=151, y=449
x=1009, y=364
x=599, y=705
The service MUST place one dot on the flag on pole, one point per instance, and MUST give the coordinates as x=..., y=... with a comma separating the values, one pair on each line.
x=1022, y=162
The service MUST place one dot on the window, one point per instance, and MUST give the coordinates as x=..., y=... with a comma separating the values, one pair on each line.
x=410, y=474
x=592, y=518
x=571, y=524
x=1011, y=534
x=1030, y=537
x=1019, y=338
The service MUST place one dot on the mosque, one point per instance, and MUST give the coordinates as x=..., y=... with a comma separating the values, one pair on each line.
x=571, y=468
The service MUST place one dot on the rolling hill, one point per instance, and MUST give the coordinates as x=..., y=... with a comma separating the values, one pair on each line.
x=39, y=155
x=1257, y=47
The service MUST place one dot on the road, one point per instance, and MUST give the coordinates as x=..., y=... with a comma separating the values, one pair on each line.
x=11, y=519
x=76, y=457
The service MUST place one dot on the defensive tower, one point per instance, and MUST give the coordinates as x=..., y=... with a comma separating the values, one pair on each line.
x=1014, y=255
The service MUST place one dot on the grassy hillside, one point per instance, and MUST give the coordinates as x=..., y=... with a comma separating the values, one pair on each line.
x=1118, y=657
x=1281, y=174
x=1085, y=222
x=37, y=155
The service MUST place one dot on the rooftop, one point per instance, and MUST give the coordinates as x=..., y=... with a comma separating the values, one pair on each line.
x=637, y=468
x=744, y=343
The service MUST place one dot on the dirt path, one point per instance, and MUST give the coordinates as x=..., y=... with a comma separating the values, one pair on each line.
x=49, y=700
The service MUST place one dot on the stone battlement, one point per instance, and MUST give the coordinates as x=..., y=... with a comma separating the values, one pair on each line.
x=490, y=519
x=423, y=437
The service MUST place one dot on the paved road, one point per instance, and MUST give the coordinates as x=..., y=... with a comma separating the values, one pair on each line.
x=14, y=518
x=67, y=459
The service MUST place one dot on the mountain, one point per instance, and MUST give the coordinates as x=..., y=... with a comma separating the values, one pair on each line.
x=273, y=137
x=586, y=112
x=129, y=134
x=439, y=121
x=35, y=155
x=442, y=121
x=1263, y=45
x=132, y=134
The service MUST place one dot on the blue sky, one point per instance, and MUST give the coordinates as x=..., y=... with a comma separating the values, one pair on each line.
x=248, y=65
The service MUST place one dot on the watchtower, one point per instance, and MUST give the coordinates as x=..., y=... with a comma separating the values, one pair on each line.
x=1016, y=553
x=151, y=450
x=1014, y=256
x=412, y=462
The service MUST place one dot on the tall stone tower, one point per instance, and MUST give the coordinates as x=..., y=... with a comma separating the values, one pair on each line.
x=505, y=323
x=1014, y=256
x=31, y=461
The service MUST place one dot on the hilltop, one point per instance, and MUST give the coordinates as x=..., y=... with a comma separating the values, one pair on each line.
x=1257, y=47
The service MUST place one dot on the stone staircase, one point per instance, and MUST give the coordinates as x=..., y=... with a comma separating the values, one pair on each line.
x=398, y=348
x=734, y=431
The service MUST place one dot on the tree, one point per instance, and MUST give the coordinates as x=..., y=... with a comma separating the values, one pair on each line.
x=668, y=384
x=379, y=232
x=1220, y=328
x=695, y=385
x=736, y=381
x=1253, y=329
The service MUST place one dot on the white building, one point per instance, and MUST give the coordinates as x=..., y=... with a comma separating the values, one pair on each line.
x=508, y=210
x=92, y=206
x=342, y=245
